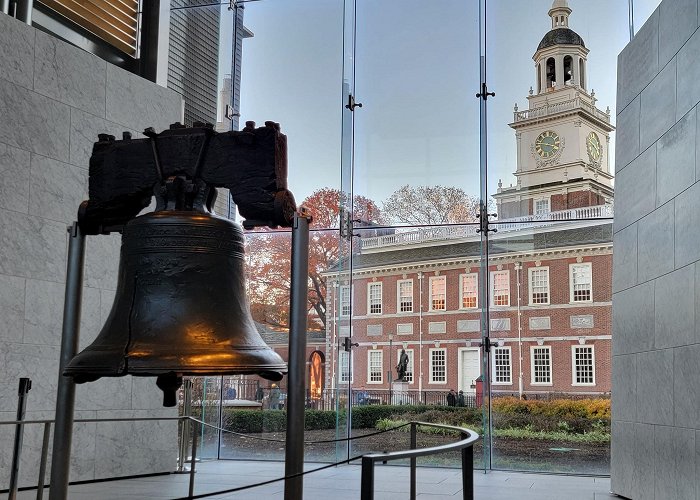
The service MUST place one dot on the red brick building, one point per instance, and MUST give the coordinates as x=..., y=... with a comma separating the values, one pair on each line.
x=549, y=269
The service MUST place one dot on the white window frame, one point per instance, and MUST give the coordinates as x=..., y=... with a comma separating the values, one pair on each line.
x=344, y=289
x=533, y=350
x=575, y=365
x=531, y=286
x=371, y=285
x=432, y=366
x=431, y=280
x=462, y=279
x=345, y=361
x=548, y=203
x=492, y=286
x=373, y=355
x=505, y=349
x=572, y=299
x=409, y=369
x=398, y=296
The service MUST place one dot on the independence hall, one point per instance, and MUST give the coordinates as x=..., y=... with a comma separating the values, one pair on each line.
x=549, y=267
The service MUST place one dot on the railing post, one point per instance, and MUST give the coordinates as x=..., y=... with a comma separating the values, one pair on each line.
x=194, y=458
x=65, y=394
x=42, y=464
x=367, y=479
x=294, y=451
x=467, y=471
x=186, y=424
x=25, y=386
x=414, y=443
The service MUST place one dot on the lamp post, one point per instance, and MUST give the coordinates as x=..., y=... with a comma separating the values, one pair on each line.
x=391, y=364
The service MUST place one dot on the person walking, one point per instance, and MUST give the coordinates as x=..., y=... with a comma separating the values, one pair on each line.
x=460, y=398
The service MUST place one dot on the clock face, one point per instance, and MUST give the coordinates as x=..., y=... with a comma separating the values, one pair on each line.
x=547, y=144
x=593, y=146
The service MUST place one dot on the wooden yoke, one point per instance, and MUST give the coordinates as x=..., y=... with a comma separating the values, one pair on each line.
x=181, y=167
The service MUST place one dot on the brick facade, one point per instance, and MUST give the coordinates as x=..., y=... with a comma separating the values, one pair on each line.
x=562, y=324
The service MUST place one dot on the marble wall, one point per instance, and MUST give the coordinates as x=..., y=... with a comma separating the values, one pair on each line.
x=54, y=100
x=656, y=264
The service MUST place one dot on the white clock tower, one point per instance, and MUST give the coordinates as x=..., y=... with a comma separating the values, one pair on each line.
x=563, y=157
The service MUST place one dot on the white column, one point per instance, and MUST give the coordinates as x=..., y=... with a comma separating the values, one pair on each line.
x=559, y=70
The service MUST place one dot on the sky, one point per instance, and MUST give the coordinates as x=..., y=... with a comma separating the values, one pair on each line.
x=415, y=69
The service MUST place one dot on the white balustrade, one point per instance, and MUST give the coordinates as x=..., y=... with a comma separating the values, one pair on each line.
x=445, y=233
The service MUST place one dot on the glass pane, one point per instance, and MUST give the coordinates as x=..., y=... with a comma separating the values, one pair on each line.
x=551, y=180
x=415, y=158
x=292, y=74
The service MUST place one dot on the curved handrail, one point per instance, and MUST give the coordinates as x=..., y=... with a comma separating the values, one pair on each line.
x=471, y=438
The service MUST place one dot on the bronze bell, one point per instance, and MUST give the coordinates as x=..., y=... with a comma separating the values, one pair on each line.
x=180, y=307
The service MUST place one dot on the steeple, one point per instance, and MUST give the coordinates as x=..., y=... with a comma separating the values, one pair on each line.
x=560, y=14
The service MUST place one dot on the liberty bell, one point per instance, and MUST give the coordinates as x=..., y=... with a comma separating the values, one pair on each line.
x=180, y=305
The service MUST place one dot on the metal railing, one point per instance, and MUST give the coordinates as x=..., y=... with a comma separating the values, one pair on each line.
x=464, y=445
x=367, y=486
x=443, y=233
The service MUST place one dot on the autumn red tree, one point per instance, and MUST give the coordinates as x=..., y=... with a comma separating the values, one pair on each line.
x=268, y=258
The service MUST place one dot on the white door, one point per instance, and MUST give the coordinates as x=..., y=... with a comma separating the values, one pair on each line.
x=469, y=369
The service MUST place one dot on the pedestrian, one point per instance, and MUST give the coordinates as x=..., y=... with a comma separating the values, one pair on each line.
x=451, y=398
x=259, y=394
x=275, y=397
x=460, y=398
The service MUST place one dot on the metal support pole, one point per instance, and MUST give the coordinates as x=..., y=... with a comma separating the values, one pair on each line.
x=23, y=11
x=186, y=424
x=294, y=454
x=65, y=397
x=193, y=461
x=467, y=471
x=25, y=386
x=367, y=479
x=414, y=444
x=5, y=6
x=42, y=464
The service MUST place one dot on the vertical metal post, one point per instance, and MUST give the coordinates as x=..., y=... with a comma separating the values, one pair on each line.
x=294, y=454
x=5, y=6
x=42, y=464
x=414, y=443
x=25, y=386
x=193, y=461
x=367, y=479
x=186, y=423
x=467, y=471
x=23, y=11
x=65, y=397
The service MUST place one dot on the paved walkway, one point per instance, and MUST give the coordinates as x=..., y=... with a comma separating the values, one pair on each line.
x=342, y=483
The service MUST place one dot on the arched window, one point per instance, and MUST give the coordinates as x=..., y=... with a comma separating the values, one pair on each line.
x=551, y=76
x=316, y=375
x=581, y=76
x=568, y=70
x=539, y=78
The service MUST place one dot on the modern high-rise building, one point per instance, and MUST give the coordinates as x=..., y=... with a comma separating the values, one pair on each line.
x=193, y=65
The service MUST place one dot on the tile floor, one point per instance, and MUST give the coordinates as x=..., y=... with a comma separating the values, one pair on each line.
x=342, y=483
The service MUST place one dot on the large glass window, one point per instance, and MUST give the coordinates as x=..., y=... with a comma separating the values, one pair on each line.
x=469, y=291
x=583, y=362
x=500, y=288
x=539, y=285
x=437, y=293
x=374, y=297
x=541, y=365
x=375, y=367
x=438, y=366
x=405, y=296
x=581, y=279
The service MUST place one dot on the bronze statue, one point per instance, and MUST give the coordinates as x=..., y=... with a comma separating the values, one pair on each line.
x=402, y=367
